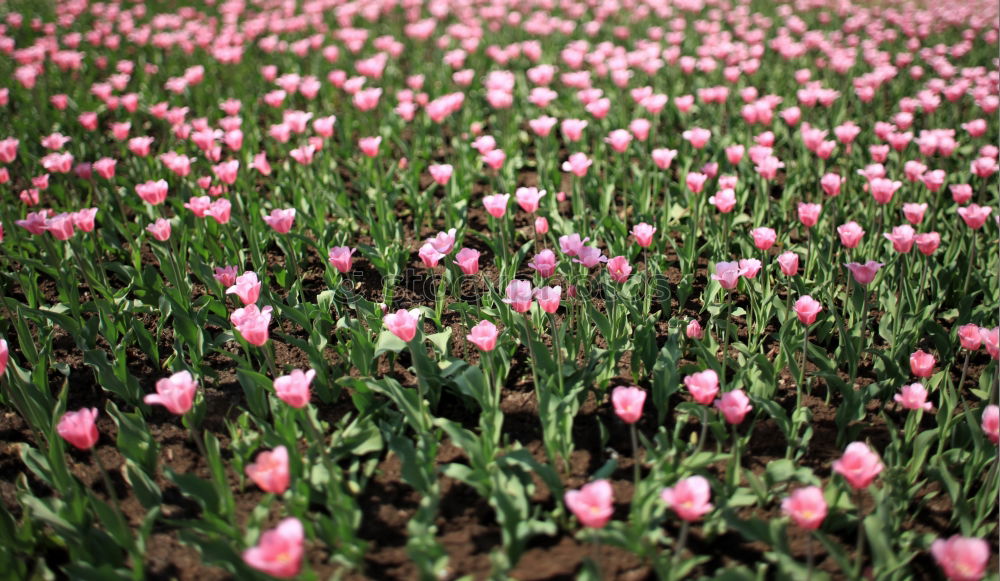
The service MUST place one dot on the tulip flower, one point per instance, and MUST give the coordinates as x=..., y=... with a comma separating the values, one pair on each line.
x=734, y=405
x=577, y=164
x=440, y=173
x=293, y=388
x=544, y=263
x=402, y=323
x=619, y=269
x=694, y=330
x=763, y=238
x=246, y=287
x=991, y=340
x=483, y=335
x=592, y=504
x=160, y=229
x=443, y=242
x=850, y=234
x=902, y=238
x=252, y=323
x=429, y=256
x=176, y=393
x=281, y=220
x=548, y=298
x=703, y=386
x=4, y=356
x=79, y=428
x=962, y=558
x=913, y=397
x=991, y=423
x=279, y=551
x=270, y=471
x=467, y=260
x=496, y=204
x=789, y=263
x=590, y=256
x=859, y=465
x=528, y=198
x=628, y=403
x=571, y=244
x=689, y=498
x=806, y=308
x=643, y=234
x=922, y=363
x=340, y=258
x=809, y=214
x=806, y=507
x=727, y=274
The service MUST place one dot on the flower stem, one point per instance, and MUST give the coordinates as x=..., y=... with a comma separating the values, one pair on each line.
x=859, y=550
x=635, y=453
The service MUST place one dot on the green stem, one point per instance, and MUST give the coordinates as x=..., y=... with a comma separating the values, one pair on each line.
x=859, y=549
x=635, y=454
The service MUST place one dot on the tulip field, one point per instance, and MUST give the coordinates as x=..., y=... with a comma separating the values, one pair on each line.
x=450, y=289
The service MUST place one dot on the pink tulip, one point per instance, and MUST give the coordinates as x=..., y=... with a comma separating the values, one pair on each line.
x=83, y=220
x=519, y=295
x=697, y=136
x=914, y=213
x=724, y=201
x=483, y=335
x=922, y=363
x=176, y=393
x=281, y=220
x=252, y=323
x=590, y=256
x=727, y=274
x=913, y=397
x=429, y=255
x=806, y=308
x=279, y=551
x=960, y=193
x=571, y=244
x=864, y=273
x=703, y=386
x=991, y=340
x=974, y=215
x=528, y=198
x=763, y=238
x=541, y=225
x=544, y=263
x=548, y=298
x=850, y=234
x=160, y=229
x=577, y=164
x=695, y=181
x=643, y=234
x=806, y=507
x=496, y=204
x=809, y=214
x=494, y=159
x=750, y=267
x=969, y=337
x=467, y=260
x=619, y=269
x=403, y=323
x=152, y=192
x=4, y=356
x=226, y=275
x=219, y=211
x=962, y=558
x=79, y=428
x=105, y=167
x=902, y=238
x=572, y=129
x=831, y=183
x=663, y=157
x=369, y=145
x=859, y=465
x=619, y=139
x=270, y=471
x=246, y=287
x=60, y=226
x=440, y=173
x=789, y=263
x=592, y=504
x=689, y=498
x=628, y=403
x=991, y=423
x=883, y=190
x=694, y=330
x=340, y=258
x=293, y=388
x=927, y=242
x=734, y=406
